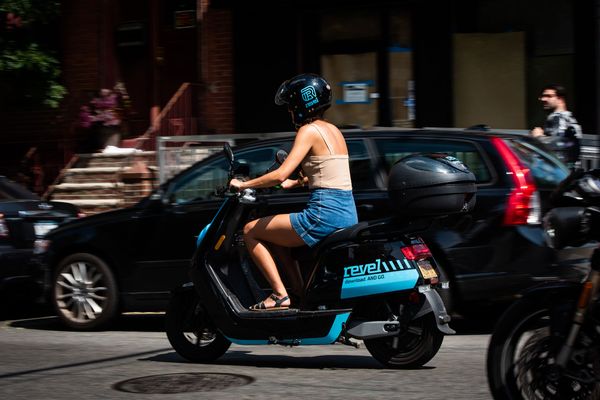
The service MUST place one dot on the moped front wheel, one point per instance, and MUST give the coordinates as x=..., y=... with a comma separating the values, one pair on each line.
x=411, y=349
x=190, y=332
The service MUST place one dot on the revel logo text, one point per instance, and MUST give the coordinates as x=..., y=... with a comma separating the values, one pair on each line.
x=376, y=267
x=309, y=95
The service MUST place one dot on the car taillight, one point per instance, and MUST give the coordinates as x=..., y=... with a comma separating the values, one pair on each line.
x=416, y=252
x=3, y=227
x=523, y=205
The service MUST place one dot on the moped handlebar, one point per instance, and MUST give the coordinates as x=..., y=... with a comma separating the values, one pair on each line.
x=579, y=188
x=565, y=185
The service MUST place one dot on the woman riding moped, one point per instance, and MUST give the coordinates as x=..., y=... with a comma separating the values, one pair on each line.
x=320, y=149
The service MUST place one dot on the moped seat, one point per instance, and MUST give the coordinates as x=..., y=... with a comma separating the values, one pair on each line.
x=339, y=236
x=384, y=226
x=363, y=229
x=343, y=235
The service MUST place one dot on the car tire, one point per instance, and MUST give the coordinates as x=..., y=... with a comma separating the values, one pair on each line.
x=84, y=292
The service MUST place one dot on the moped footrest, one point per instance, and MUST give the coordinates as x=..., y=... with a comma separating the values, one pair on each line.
x=268, y=313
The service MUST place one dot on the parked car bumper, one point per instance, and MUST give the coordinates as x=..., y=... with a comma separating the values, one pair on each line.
x=14, y=263
x=17, y=273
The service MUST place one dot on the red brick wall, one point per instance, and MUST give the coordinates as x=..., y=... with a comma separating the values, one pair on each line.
x=83, y=58
x=216, y=58
x=88, y=63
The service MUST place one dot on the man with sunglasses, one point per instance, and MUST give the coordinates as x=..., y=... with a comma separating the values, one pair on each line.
x=560, y=126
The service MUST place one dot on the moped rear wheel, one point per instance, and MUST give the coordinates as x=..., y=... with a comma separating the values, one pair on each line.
x=410, y=349
x=190, y=332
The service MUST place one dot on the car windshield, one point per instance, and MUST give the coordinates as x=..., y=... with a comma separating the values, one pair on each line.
x=547, y=170
x=201, y=180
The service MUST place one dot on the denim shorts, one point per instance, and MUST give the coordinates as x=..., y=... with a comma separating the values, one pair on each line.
x=327, y=211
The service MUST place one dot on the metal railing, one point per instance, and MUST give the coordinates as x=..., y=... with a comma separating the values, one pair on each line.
x=176, y=153
x=177, y=118
x=60, y=177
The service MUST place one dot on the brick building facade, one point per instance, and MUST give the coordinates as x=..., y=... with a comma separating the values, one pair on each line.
x=402, y=63
x=136, y=42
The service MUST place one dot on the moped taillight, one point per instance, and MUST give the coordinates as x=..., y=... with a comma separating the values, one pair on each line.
x=416, y=252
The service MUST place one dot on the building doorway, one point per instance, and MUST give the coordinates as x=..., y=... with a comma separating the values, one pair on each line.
x=366, y=55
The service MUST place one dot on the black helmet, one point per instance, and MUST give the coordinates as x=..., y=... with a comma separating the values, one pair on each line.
x=307, y=95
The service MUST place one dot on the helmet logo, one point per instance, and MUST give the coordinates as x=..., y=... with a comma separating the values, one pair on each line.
x=309, y=95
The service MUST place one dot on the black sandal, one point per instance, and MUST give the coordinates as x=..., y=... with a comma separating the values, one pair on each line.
x=278, y=301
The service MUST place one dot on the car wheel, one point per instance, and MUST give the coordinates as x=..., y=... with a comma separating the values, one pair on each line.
x=85, y=292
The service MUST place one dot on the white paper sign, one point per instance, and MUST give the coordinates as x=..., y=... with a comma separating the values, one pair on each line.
x=356, y=93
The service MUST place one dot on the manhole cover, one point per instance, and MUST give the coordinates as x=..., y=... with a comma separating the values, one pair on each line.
x=182, y=383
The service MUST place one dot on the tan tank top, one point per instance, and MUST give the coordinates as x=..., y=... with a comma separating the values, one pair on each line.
x=331, y=171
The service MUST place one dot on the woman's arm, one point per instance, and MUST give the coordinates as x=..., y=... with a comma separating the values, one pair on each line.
x=292, y=183
x=302, y=145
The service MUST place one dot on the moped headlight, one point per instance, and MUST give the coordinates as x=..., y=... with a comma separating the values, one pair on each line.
x=566, y=226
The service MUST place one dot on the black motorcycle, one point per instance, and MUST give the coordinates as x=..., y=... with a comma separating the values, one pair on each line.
x=547, y=344
x=375, y=281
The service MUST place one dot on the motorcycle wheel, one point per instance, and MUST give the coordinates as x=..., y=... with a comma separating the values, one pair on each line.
x=410, y=349
x=190, y=332
x=520, y=363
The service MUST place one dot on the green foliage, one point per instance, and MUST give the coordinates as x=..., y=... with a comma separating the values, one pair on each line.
x=41, y=11
x=29, y=69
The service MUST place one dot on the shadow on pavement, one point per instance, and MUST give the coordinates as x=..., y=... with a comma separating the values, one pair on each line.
x=472, y=326
x=154, y=322
x=45, y=323
x=247, y=359
x=126, y=323
x=11, y=311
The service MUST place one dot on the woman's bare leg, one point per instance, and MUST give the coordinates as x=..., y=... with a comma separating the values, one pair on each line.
x=278, y=230
x=290, y=266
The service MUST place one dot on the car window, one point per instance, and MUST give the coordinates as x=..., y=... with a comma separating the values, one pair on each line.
x=391, y=150
x=200, y=184
x=10, y=190
x=547, y=170
x=361, y=168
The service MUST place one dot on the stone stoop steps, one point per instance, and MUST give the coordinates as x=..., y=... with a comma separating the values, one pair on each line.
x=102, y=182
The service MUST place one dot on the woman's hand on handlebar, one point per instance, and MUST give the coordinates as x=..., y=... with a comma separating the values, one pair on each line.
x=235, y=185
x=292, y=183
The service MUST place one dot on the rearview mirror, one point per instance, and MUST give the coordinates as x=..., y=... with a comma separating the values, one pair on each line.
x=280, y=156
x=157, y=199
x=228, y=152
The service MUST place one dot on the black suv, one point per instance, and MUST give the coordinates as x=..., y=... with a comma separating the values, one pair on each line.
x=130, y=259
